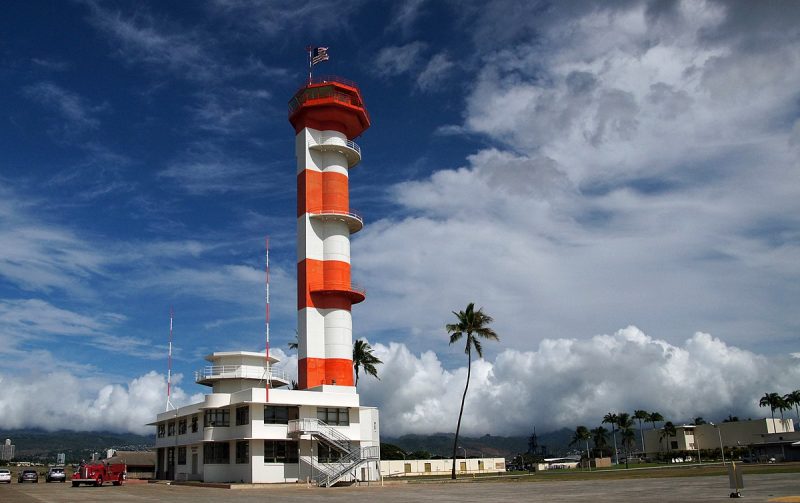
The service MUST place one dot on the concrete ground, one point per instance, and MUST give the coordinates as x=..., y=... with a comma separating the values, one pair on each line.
x=770, y=487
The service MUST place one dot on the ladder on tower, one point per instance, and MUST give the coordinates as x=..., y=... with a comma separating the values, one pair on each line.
x=351, y=457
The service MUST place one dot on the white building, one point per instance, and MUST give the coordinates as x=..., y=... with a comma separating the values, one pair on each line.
x=7, y=450
x=713, y=436
x=238, y=435
x=251, y=428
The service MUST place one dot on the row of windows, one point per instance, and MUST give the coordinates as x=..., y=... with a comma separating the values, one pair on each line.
x=169, y=429
x=275, y=451
x=273, y=414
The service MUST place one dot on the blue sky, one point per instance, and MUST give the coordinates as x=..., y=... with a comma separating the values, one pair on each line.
x=616, y=183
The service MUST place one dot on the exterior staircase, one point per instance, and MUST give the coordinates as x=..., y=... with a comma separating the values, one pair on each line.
x=351, y=457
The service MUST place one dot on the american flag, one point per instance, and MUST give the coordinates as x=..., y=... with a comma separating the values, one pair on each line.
x=319, y=55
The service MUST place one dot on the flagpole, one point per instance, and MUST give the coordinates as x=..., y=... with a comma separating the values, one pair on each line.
x=310, y=50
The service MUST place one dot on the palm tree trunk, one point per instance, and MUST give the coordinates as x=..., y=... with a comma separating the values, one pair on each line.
x=641, y=434
x=614, y=434
x=463, y=398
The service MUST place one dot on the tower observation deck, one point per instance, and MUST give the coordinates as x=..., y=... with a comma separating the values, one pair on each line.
x=327, y=114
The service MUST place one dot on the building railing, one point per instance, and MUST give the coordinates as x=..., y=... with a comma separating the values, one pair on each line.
x=239, y=371
x=335, y=140
x=323, y=212
x=316, y=427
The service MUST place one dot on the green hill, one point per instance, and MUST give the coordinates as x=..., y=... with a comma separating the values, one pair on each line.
x=41, y=445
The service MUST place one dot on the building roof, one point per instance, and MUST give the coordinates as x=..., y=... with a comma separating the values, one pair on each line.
x=134, y=458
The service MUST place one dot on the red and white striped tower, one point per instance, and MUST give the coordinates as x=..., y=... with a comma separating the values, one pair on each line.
x=327, y=114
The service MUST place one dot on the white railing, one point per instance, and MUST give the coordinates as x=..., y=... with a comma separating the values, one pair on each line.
x=239, y=371
x=352, y=215
x=313, y=426
x=335, y=141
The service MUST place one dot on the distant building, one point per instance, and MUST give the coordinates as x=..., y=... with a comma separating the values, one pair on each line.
x=7, y=451
x=417, y=467
x=141, y=464
x=755, y=434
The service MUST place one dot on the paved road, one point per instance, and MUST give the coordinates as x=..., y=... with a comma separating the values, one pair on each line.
x=688, y=489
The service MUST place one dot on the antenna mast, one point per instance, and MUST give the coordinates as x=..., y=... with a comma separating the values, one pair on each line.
x=267, y=368
x=169, y=361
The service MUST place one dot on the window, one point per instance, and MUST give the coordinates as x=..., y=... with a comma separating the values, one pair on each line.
x=280, y=451
x=182, y=427
x=242, y=415
x=171, y=429
x=427, y=467
x=216, y=453
x=674, y=444
x=243, y=451
x=463, y=466
x=280, y=414
x=161, y=430
x=181, y=455
x=194, y=424
x=326, y=454
x=170, y=456
x=218, y=417
x=407, y=467
x=480, y=465
x=334, y=416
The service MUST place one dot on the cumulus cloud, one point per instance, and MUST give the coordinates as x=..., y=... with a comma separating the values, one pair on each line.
x=63, y=400
x=566, y=382
x=642, y=171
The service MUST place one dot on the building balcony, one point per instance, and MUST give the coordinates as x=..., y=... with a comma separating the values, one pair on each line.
x=209, y=374
x=354, y=292
x=348, y=148
x=353, y=220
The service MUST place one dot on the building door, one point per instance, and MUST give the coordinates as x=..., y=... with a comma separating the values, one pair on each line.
x=194, y=464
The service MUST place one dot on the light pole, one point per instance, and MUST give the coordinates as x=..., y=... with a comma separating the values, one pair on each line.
x=721, y=447
x=465, y=452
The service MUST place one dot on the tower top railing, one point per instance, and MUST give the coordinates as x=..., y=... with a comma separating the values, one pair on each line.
x=304, y=93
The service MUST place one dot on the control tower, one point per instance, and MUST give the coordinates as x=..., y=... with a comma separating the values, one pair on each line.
x=327, y=114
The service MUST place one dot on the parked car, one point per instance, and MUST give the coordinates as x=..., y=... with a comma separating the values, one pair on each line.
x=55, y=474
x=5, y=475
x=28, y=476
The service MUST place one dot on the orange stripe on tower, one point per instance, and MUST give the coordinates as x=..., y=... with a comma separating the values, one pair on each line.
x=323, y=275
x=318, y=191
x=315, y=371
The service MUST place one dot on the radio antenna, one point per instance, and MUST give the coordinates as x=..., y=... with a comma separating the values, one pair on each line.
x=169, y=361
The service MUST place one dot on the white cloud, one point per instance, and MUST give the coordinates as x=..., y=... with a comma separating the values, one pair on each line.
x=75, y=110
x=434, y=72
x=210, y=171
x=63, y=400
x=396, y=60
x=566, y=382
x=638, y=175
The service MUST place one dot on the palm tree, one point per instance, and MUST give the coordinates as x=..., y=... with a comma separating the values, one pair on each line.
x=611, y=418
x=600, y=438
x=668, y=431
x=768, y=400
x=793, y=398
x=363, y=358
x=625, y=423
x=296, y=343
x=654, y=418
x=474, y=325
x=699, y=421
x=582, y=434
x=781, y=404
x=641, y=415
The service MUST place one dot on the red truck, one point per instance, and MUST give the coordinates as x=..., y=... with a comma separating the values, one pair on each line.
x=98, y=473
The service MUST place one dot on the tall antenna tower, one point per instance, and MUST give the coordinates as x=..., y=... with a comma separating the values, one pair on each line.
x=169, y=361
x=267, y=368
